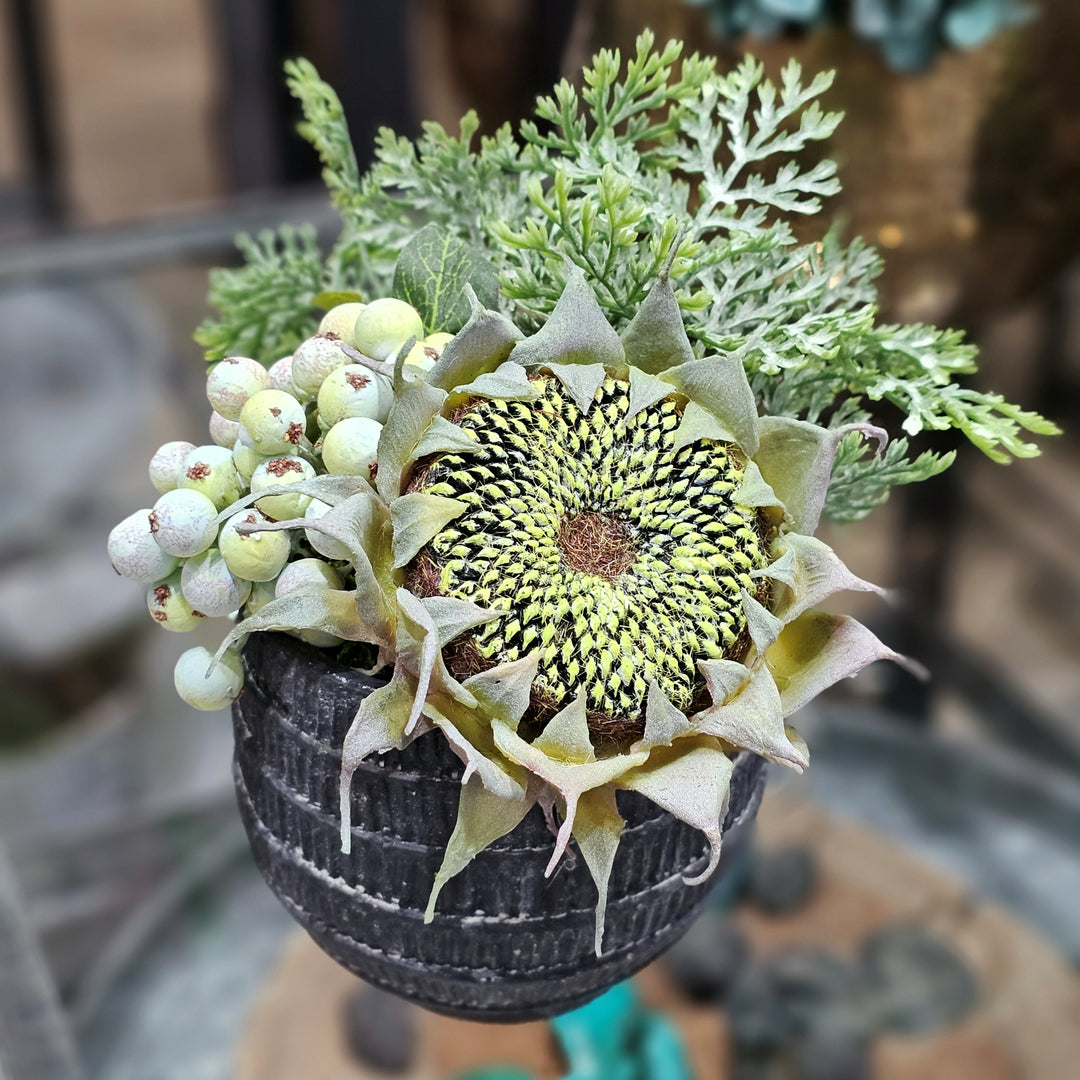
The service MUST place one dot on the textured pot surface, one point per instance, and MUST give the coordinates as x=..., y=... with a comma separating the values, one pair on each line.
x=506, y=943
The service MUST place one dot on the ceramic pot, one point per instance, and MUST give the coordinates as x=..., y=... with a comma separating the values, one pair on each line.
x=506, y=944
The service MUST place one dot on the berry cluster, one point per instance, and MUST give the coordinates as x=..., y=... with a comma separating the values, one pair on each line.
x=320, y=410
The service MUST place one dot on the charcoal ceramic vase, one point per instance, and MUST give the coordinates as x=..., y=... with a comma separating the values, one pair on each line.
x=506, y=944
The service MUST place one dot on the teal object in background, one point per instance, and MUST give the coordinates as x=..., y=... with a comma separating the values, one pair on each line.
x=611, y=1038
x=596, y=1038
x=908, y=33
x=661, y=1054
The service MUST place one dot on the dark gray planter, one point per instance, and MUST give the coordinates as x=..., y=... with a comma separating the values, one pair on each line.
x=506, y=943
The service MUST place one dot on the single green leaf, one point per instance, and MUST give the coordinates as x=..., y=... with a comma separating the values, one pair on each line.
x=432, y=272
x=330, y=299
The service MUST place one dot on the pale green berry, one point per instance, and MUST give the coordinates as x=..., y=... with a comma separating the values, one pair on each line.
x=420, y=360
x=168, y=607
x=438, y=341
x=280, y=373
x=350, y=446
x=209, y=587
x=230, y=383
x=271, y=422
x=223, y=432
x=340, y=320
x=302, y=574
x=246, y=460
x=262, y=592
x=305, y=572
x=135, y=553
x=256, y=556
x=210, y=469
x=182, y=522
x=352, y=390
x=384, y=326
x=313, y=360
x=273, y=473
x=165, y=465
x=323, y=544
x=206, y=689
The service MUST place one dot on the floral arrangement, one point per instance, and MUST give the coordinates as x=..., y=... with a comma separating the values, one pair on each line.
x=561, y=476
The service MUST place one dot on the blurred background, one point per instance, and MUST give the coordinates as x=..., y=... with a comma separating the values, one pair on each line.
x=939, y=827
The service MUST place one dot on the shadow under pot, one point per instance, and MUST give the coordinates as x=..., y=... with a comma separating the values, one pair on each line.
x=506, y=944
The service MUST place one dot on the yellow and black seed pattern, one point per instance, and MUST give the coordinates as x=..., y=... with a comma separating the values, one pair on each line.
x=544, y=461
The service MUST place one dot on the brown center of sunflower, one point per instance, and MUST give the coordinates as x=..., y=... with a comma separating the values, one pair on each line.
x=595, y=544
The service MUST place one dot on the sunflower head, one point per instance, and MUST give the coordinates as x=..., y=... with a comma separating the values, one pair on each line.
x=592, y=566
x=618, y=550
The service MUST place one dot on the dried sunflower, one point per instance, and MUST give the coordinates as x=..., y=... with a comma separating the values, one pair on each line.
x=591, y=565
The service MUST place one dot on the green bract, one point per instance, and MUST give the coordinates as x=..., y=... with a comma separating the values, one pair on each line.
x=591, y=565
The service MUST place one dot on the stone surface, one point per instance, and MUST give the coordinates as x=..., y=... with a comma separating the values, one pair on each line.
x=916, y=983
x=797, y=995
x=381, y=1029
x=705, y=962
x=782, y=881
x=757, y=1016
x=753, y=1065
x=823, y=995
x=830, y=1059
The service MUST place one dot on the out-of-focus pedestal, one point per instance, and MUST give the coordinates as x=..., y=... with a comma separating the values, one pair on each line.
x=1026, y=1027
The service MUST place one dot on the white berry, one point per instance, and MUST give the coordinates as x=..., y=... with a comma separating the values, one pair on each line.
x=313, y=360
x=351, y=390
x=135, y=553
x=209, y=587
x=210, y=470
x=207, y=689
x=340, y=320
x=182, y=522
x=323, y=544
x=222, y=431
x=165, y=465
x=272, y=422
x=168, y=607
x=280, y=373
x=230, y=383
